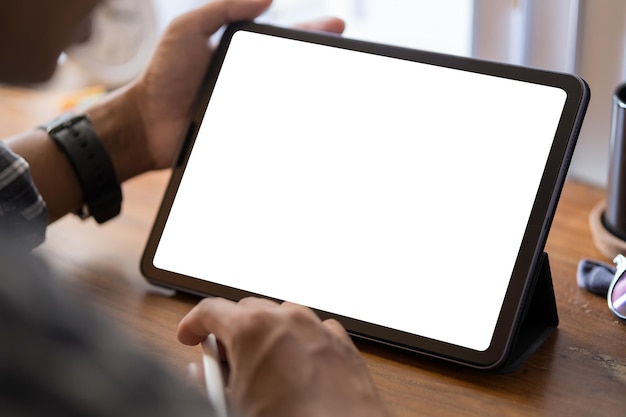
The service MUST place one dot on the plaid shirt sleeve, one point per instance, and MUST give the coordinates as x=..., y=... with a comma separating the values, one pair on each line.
x=23, y=213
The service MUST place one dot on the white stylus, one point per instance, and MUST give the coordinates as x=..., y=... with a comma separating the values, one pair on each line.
x=213, y=376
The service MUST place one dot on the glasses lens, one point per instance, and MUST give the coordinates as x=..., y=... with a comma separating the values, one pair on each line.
x=618, y=296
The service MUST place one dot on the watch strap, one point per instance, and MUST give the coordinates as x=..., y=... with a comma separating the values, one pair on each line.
x=102, y=194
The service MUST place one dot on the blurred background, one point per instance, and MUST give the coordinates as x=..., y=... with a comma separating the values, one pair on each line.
x=585, y=37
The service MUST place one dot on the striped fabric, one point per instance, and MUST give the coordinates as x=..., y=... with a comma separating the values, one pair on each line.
x=23, y=213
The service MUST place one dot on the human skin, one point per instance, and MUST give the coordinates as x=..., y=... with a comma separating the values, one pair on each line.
x=142, y=124
x=283, y=359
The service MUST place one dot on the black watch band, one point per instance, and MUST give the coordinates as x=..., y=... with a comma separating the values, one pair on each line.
x=102, y=194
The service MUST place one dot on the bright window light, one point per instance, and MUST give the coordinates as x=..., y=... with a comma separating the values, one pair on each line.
x=441, y=26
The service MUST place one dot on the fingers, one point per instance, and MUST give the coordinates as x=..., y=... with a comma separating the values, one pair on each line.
x=255, y=302
x=213, y=315
x=338, y=330
x=221, y=317
x=208, y=316
x=213, y=15
x=307, y=312
x=195, y=373
x=325, y=24
x=331, y=325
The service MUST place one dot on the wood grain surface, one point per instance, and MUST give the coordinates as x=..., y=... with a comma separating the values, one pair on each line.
x=579, y=371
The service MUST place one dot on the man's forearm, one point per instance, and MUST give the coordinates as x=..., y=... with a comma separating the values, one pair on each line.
x=51, y=172
x=116, y=122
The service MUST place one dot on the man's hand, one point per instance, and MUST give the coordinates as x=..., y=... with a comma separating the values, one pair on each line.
x=159, y=103
x=142, y=125
x=167, y=89
x=283, y=360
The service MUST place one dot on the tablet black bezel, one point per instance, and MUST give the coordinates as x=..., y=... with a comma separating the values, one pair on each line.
x=534, y=238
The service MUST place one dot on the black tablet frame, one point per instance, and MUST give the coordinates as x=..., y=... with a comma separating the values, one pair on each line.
x=531, y=266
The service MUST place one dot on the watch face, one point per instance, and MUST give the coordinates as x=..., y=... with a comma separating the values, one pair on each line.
x=123, y=36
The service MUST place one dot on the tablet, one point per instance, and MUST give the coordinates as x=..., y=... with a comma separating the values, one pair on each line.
x=407, y=194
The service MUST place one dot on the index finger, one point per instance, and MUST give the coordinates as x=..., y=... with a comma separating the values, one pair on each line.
x=213, y=15
x=210, y=315
x=324, y=24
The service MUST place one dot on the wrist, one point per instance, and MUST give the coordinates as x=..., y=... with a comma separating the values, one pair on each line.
x=91, y=164
x=117, y=122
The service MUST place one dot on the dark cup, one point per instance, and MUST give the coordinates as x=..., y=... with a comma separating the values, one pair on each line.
x=614, y=217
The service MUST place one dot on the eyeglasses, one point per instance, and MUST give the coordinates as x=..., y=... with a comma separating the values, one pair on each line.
x=616, y=297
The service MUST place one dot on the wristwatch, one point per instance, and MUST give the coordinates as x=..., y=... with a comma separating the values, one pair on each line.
x=102, y=194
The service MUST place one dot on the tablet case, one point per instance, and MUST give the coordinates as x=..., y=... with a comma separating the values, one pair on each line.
x=538, y=318
x=535, y=320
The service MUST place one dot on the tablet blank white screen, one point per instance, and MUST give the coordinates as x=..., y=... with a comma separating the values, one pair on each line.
x=366, y=186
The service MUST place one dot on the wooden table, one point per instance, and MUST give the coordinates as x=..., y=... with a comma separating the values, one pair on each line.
x=579, y=371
